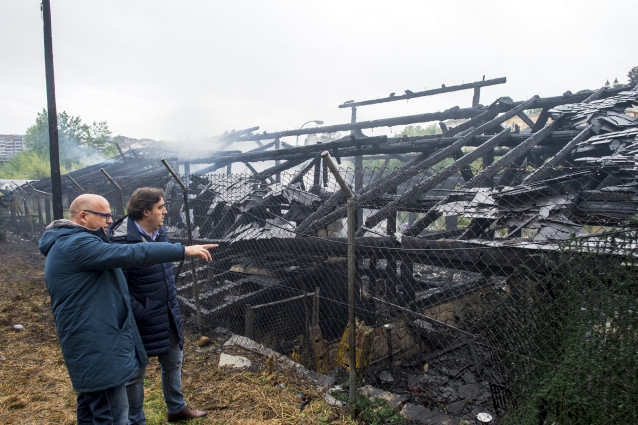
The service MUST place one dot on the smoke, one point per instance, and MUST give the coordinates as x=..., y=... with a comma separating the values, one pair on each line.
x=75, y=156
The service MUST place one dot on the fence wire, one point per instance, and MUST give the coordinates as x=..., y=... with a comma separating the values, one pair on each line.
x=513, y=295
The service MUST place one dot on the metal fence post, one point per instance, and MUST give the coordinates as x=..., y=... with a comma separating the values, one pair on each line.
x=190, y=242
x=352, y=360
x=75, y=183
x=120, y=211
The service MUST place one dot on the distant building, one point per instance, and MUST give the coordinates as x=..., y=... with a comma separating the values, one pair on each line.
x=10, y=145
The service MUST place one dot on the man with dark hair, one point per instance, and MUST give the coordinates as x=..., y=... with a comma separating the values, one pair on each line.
x=91, y=305
x=154, y=302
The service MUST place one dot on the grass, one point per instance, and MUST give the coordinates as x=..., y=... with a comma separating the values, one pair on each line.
x=35, y=387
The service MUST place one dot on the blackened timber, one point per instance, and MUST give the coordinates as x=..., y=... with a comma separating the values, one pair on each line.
x=475, y=256
x=477, y=120
x=511, y=156
x=479, y=226
x=119, y=149
x=596, y=95
x=217, y=165
x=527, y=120
x=408, y=170
x=557, y=159
x=263, y=147
x=434, y=180
x=229, y=138
x=452, y=113
x=254, y=171
x=444, y=89
x=427, y=160
x=251, y=168
x=369, y=146
x=213, y=168
x=476, y=97
x=566, y=150
x=464, y=168
x=541, y=120
x=231, y=135
x=298, y=178
x=253, y=288
x=277, y=168
x=509, y=176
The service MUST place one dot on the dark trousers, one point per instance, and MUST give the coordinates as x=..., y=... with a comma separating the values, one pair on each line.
x=107, y=407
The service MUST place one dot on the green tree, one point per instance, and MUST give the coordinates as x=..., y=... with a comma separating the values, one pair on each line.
x=28, y=165
x=412, y=131
x=633, y=76
x=80, y=144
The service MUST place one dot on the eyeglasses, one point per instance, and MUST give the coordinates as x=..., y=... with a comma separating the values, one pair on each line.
x=106, y=216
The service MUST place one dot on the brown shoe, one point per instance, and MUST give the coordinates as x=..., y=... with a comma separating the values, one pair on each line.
x=186, y=414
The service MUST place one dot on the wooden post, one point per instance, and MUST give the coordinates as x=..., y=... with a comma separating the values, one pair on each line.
x=476, y=97
x=47, y=209
x=316, y=182
x=40, y=218
x=277, y=147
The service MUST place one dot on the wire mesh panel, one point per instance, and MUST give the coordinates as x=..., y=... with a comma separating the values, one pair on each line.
x=516, y=299
x=495, y=270
x=481, y=287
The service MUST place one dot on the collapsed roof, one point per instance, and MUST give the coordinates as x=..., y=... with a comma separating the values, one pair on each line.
x=575, y=166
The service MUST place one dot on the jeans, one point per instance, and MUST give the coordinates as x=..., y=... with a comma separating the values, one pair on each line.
x=107, y=407
x=171, y=364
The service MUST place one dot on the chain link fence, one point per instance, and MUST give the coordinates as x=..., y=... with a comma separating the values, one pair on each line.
x=518, y=300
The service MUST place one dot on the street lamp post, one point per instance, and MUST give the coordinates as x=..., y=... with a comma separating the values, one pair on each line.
x=318, y=122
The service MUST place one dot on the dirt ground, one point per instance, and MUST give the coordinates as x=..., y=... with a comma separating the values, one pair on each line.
x=35, y=387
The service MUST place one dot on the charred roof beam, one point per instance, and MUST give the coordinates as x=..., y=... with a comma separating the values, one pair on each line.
x=411, y=95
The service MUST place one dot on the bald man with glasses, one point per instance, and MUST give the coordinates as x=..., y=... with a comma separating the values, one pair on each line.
x=91, y=306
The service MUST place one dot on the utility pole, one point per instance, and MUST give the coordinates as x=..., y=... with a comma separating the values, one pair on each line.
x=54, y=147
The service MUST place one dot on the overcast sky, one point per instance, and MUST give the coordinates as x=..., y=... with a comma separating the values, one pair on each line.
x=182, y=70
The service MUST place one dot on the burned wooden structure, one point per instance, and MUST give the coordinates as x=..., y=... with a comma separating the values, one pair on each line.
x=480, y=197
x=440, y=218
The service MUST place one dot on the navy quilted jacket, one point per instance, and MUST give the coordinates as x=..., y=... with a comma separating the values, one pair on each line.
x=152, y=290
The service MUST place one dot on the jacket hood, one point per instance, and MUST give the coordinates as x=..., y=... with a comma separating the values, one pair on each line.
x=124, y=229
x=119, y=229
x=63, y=228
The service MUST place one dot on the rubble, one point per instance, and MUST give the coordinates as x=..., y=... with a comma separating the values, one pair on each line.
x=572, y=170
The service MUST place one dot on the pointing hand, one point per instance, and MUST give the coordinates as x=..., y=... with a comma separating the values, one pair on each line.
x=200, y=251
